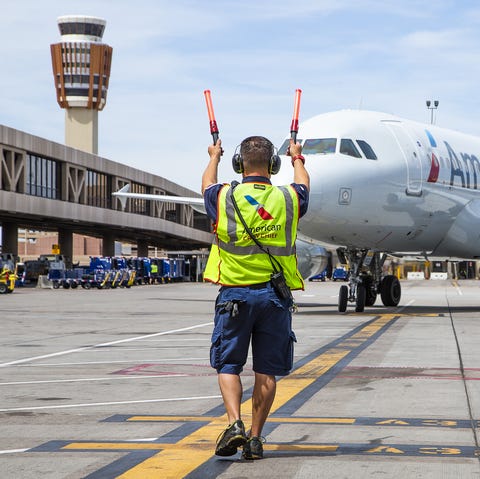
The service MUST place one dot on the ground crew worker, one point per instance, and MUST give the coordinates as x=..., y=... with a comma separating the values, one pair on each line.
x=248, y=307
x=154, y=272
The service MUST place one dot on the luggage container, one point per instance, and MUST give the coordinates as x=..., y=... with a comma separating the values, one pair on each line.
x=177, y=269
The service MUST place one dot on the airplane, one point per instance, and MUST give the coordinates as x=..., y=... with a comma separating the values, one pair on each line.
x=385, y=186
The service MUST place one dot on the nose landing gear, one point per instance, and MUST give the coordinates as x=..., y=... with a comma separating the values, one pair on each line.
x=366, y=280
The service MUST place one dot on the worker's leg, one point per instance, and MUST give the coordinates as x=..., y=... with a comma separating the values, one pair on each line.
x=262, y=400
x=272, y=350
x=231, y=389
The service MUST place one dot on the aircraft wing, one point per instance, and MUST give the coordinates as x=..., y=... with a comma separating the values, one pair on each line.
x=124, y=193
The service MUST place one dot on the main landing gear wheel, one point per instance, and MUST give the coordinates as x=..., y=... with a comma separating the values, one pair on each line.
x=360, y=299
x=371, y=293
x=342, y=299
x=390, y=290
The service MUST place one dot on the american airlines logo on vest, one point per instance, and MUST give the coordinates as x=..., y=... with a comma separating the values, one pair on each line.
x=264, y=214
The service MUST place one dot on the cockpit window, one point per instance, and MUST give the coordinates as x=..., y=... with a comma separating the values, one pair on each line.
x=321, y=146
x=367, y=150
x=347, y=147
x=285, y=145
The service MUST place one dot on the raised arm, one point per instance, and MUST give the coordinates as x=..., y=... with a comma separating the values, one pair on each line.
x=300, y=174
x=210, y=175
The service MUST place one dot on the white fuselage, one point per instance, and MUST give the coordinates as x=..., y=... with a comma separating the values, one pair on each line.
x=420, y=195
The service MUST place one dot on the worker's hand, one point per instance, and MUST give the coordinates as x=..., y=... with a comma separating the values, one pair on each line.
x=216, y=151
x=209, y=176
x=294, y=149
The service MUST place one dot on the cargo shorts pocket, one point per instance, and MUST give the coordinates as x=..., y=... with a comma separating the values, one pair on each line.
x=283, y=304
x=215, y=349
x=293, y=340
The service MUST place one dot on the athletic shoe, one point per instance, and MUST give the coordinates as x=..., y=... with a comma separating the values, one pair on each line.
x=253, y=449
x=231, y=439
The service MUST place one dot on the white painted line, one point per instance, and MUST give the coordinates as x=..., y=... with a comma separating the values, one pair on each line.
x=141, y=361
x=111, y=378
x=178, y=340
x=160, y=347
x=406, y=305
x=13, y=451
x=101, y=345
x=145, y=439
x=113, y=403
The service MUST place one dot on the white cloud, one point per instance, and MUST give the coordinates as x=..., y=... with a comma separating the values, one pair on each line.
x=434, y=40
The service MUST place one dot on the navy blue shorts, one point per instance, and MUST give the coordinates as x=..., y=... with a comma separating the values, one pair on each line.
x=259, y=316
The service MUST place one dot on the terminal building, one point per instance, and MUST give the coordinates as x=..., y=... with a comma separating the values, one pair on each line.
x=48, y=186
x=67, y=188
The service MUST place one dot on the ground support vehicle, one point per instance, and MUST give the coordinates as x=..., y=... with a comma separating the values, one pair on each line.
x=319, y=277
x=163, y=271
x=8, y=272
x=102, y=279
x=20, y=274
x=117, y=278
x=340, y=274
x=34, y=269
x=115, y=272
x=7, y=280
x=142, y=268
x=60, y=276
x=177, y=269
x=87, y=280
x=131, y=279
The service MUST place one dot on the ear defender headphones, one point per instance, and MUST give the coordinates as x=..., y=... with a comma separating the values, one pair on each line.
x=274, y=162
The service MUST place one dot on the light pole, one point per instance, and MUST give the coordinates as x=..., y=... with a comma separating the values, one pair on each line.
x=431, y=108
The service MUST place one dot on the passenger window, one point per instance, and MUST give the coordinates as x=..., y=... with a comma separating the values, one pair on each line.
x=321, y=146
x=367, y=150
x=285, y=145
x=347, y=147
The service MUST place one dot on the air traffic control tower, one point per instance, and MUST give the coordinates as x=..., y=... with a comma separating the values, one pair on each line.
x=81, y=68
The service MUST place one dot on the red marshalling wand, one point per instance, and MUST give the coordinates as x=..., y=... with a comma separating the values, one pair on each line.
x=211, y=116
x=296, y=112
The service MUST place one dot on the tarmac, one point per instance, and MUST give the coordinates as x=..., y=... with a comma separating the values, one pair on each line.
x=116, y=383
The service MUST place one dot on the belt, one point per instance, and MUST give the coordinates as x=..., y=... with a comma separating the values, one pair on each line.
x=258, y=285
x=250, y=286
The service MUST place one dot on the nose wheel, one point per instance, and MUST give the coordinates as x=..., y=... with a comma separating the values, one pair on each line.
x=360, y=299
x=366, y=281
x=357, y=296
x=343, y=299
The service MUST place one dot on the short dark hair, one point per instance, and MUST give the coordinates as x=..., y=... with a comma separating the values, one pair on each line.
x=256, y=151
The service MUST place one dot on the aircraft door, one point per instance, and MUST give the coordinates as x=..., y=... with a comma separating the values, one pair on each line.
x=412, y=155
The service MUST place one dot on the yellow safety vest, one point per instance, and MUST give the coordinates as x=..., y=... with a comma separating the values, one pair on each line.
x=272, y=214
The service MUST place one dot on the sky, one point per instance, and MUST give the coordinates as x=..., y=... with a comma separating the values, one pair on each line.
x=381, y=55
